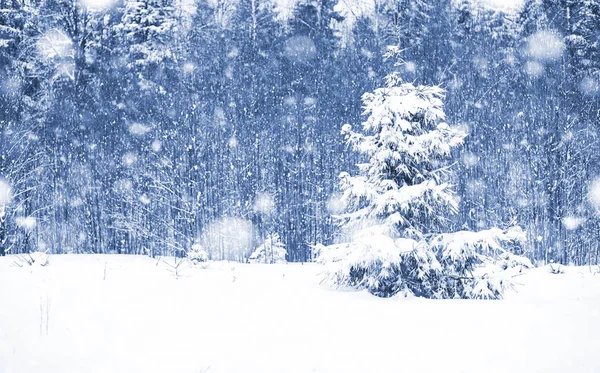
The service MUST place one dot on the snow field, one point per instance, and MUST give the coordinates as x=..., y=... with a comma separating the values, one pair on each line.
x=91, y=313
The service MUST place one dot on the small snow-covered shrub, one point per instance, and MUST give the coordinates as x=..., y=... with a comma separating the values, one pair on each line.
x=556, y=269
x=270, y=252
x=479, y=264
x=197, y=254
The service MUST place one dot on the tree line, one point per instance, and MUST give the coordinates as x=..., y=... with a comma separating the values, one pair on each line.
x=147, y=126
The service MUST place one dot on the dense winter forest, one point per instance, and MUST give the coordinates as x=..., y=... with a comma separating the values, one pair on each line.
x=148, y=126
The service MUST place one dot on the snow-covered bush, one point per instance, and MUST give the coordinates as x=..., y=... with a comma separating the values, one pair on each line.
x=478, y=264
x=197, y=254
x=270, y=252
x=400, y=201
x=556, y=269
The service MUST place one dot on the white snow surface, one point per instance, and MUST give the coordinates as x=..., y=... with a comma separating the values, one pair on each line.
x=104, y=313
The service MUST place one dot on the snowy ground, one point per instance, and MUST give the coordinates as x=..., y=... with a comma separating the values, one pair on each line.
x=69, y=318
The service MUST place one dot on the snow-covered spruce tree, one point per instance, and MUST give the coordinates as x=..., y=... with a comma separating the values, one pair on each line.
x=399, y=203
x=270, y=252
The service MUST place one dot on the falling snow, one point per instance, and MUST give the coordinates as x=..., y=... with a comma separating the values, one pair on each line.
x=138, y=129
x=26, y=222
x=5, y=193
x=572, y=222
x=98, y=5
x=590, y=85
x=129, y=159
x=264, y=203
x=156, y=146
x=594, y=193
x=534, y=68
x=545, y=45
x=55, y=44
x=229, y=238
x=300, y=49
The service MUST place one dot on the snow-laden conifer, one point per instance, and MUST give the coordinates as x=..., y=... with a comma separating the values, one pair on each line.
x=401, y=201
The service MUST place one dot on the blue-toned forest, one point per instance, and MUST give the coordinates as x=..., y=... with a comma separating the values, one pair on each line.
x=148, y=126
